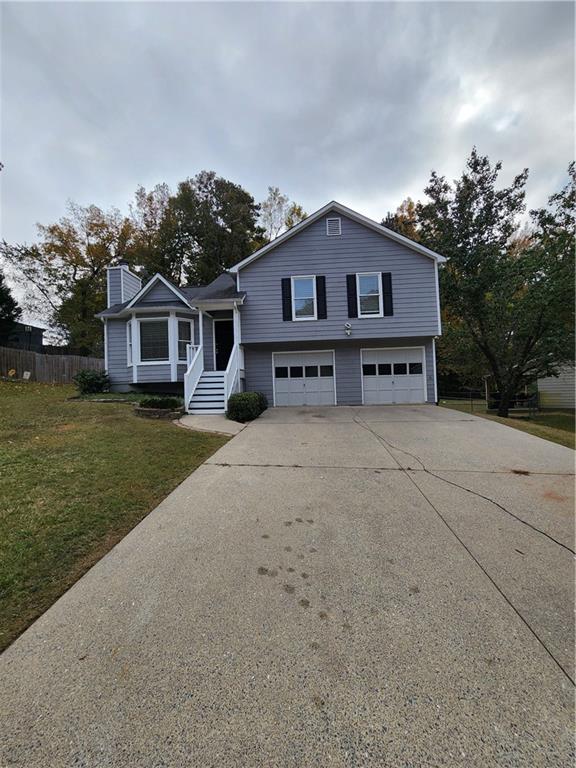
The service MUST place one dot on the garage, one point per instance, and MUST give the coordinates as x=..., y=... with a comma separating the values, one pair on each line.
x=304, y=378
x=393, y=376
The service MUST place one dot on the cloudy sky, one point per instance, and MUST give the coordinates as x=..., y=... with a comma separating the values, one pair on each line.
x=351, y=101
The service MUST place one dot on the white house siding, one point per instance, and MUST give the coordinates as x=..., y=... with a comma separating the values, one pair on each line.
x=558, y=392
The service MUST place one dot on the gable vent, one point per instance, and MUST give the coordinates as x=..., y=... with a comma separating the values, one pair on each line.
x=333, y=227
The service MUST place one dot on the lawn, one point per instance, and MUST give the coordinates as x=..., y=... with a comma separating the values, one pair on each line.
x=554, y=425
x=75, y=476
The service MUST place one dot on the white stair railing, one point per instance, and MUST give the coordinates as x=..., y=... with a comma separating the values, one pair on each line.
x=232, y=374
x=195, y=360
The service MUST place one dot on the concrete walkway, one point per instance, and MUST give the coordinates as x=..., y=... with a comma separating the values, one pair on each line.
x=334, y=587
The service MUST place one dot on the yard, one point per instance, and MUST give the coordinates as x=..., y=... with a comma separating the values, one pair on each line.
x=555, y=425
x=76, y=477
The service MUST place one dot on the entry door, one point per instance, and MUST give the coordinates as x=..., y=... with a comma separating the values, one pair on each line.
x=304, y=378
x=393, y=376
x=223, y=342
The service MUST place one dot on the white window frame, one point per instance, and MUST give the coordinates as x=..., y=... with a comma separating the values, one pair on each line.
x=309, y=317
x=380, y=297
x=191, y=324
x=139, y=321
x=129, y=344
x=330, y=219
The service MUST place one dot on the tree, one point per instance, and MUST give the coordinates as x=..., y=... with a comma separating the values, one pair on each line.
x=152, y=227
x=277, y=213
x=10, y=312
x=510, y=298
x=404, y=221
x=64, y=274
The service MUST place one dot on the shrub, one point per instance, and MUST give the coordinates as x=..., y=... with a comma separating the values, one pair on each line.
x=90, y=382
x=246, y=406
x=171, y=403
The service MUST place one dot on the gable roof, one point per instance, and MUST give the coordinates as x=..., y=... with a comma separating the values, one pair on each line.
x=333, y=206
x=145, y=288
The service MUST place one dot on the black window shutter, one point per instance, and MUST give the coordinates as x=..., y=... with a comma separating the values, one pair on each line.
x=321, y=297
x=352, y=298
x=387, y=293
x=286, y=298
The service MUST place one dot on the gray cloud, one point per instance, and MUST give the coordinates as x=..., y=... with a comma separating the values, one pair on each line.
x=356, y=102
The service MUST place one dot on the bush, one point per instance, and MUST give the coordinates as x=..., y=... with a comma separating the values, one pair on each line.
x=171, y=403
x=246, y=406
x=90, y=382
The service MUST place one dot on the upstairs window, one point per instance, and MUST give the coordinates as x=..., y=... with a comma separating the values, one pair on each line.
x=369, y=290
x=154, y=341
x=333, y=227
x=304, y=298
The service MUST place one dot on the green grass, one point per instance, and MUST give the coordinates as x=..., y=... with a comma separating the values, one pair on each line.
x=76, y=477
x=554, y=425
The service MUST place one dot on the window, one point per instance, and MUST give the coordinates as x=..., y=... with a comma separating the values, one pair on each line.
x=311, y=371
x=326, y=370
x=333, y=227
x=184, y=337
x=400, y=369
x=129, y=341
x=415, y=368
x=384, y=369
x=296, y=372
x=369, y=288
x=369, y=369
x=154, y=341
x=281, y=372
x=304, y=298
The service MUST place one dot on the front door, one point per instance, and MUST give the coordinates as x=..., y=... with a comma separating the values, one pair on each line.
x=223, y=342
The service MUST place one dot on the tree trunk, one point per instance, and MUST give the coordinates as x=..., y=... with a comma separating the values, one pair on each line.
x=504, y=404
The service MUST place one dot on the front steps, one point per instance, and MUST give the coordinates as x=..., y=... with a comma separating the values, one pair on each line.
x=208, y=396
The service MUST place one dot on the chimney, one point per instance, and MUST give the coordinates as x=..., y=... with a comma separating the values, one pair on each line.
x=122, y=284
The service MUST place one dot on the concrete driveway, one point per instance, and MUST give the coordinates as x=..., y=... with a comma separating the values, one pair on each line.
x=335, y=587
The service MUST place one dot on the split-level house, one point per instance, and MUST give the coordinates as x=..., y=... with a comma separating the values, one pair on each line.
x=337, y=310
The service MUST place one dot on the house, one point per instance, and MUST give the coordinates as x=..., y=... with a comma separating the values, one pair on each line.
x=337, y=310
x=23, y=336
x=558, y=391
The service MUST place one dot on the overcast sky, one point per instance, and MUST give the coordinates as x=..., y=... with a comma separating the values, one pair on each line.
x=356, y=102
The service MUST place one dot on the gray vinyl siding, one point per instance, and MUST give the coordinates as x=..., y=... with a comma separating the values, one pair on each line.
x=358, y=249
x=208, y=328
x=160, y=293
x=118, y=369
x=258, y=364
x=130, y=284
x=114, y=286
x=558, y=391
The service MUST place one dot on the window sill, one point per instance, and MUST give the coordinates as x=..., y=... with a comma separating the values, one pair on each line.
x=303, y=319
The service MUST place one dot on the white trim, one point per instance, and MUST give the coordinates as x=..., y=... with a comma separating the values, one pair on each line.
x=135, y=348
x=303, y=352
x=105, y=346
x=436, y=277
x=129, y=344
x=220, y=320
x=378, y=275
x=173, y=346
x=434, y=366
x=190, y=322
x=328, y=221
x=343, y=210
x=145, y=288
x=138, y=322
x=309, y=317
x=388, y=349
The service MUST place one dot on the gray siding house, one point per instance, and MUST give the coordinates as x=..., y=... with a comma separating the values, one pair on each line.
x=337, y=310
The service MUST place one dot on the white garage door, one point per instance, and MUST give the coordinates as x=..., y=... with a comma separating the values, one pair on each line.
x=304, y=378
x=392, y=376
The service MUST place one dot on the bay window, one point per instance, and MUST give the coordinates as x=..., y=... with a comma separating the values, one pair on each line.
x=154, y=344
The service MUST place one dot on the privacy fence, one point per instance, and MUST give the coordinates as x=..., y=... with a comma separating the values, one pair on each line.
x=51, y=369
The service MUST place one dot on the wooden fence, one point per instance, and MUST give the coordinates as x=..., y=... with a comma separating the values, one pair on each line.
x=51, y=369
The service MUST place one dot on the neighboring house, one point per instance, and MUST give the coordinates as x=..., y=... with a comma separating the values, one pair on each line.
x=558, y=391
x=23, y=336
x=336, y=311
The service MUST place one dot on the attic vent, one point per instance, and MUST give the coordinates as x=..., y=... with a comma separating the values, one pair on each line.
x=333, y=227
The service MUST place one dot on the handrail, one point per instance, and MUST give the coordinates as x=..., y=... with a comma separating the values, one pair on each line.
x=231, y=374
x=195, y=358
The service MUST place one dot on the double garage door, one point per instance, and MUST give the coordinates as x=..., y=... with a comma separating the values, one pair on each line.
x=393, y=376
x=304, y=378
x=389, y=376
